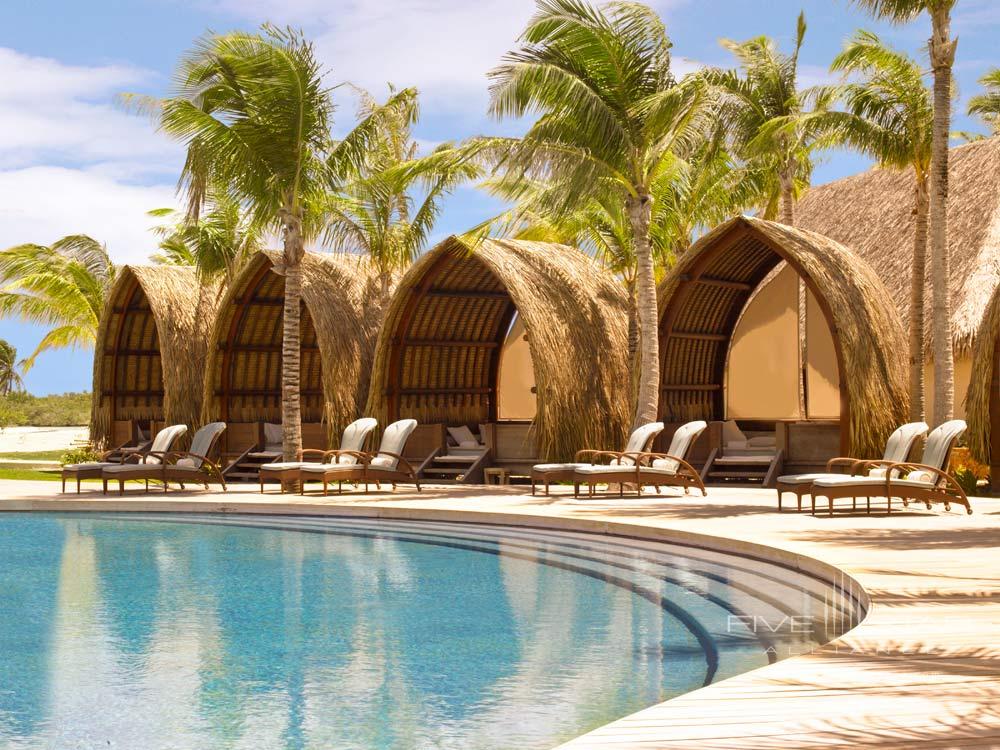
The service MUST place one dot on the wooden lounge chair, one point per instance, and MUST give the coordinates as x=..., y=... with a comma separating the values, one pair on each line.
x=163, y=442
x=155, y=464
x=646, y=469
x=195, y=466
x=640, y=440
x=927, y=481
x=897, y=448
x=384, y=465
x=352, y=443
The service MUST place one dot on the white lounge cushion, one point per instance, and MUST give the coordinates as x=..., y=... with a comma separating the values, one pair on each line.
x=462, y=434
x=605, y=468
x=130, y=468
x=393, y=441
x=803, y=478
x=841, y=479
x=328, y=469
x=89, y=465
x=546, y=468
x=284, y=465
x=666, y=466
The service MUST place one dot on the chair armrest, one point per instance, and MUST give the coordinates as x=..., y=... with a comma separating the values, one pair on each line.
x=175, y=455
x=303, y=452
x=611, y=455
x=582, y=453
x=650, y=457
x=842, y=461
x=409, y=466
x=360, y=455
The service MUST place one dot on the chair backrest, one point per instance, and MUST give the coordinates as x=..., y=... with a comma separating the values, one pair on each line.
x=203, y=442
x=681, y=442
x=394, y=441
x=939, y=443
x=354, y=438
x=165, y=440
x=641, y=436
x=900, y=442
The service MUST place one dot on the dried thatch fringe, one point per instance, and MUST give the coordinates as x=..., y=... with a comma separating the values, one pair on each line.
x=871, y=214
x=978, y=399
x=575, y=319
x=871, y=338
x=343, y=305
x=175, y=317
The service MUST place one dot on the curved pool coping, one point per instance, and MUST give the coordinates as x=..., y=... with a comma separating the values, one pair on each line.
x=891, y=681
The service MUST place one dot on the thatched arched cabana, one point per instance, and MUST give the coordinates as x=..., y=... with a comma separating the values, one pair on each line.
x=438, y=354
x=342, y=305
x=150, y=350
x=705, y=294
x=982, y=402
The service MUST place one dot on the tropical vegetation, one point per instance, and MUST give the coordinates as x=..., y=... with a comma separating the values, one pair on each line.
x=63, y=285
x=890, y=117
x=612, y=119
x=987, y=105
x=10, y=378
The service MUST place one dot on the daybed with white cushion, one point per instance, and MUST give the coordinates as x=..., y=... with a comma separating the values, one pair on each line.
x=352, y=443
x=163, y=441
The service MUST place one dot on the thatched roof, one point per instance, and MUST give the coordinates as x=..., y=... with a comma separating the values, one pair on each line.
x=871, y=213
x=438, y=352
x=342, y=307
x=981, y=395
x=150, y=348
x=704, y=295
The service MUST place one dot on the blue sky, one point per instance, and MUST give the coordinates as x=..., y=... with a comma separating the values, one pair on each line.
x=71, y=161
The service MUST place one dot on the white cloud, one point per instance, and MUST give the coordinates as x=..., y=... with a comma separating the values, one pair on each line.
x=41, y=204
x=443, y=47
x=57, y=113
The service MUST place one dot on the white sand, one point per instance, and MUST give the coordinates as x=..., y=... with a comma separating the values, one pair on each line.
x=34, y=439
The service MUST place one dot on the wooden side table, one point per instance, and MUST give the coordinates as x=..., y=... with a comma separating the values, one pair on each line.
x=496, y=475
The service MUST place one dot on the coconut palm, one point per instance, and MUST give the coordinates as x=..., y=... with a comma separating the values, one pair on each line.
x=987, y=104
x=771, y=123
x=10, y=378
x=942, y=55
x=388, y=205
x=612, y=117
x=63, y=285
x=891, y=118
x=255, y=114
x=217, y=243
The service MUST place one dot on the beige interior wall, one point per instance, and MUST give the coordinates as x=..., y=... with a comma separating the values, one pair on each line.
x=963, y=375
x=822, y=373
x=515, y=399
x=762, y=378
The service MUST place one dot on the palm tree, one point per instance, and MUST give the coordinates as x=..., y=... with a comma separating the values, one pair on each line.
x=612, y=114
x=63, y=285
x=942, y=55
x=255, y=114
x=217, y=243
x=891, y=118
x=987, y=104
x=10, y=378
x=771, y=123
x=387, y=206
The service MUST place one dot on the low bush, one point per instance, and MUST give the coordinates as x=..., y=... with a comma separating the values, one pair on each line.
x=55, y=410
x=80, y=455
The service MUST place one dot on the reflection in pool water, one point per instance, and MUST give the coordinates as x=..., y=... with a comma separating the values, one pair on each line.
x=190, y=632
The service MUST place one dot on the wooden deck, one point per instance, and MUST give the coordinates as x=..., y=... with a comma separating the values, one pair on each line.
x=922, y=670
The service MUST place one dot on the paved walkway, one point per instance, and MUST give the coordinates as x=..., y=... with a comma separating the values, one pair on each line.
x=922, y=670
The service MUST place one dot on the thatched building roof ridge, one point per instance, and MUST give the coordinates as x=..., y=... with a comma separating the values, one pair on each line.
x=871, y=213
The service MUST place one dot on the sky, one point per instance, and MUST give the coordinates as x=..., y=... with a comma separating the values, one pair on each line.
x=73, y=161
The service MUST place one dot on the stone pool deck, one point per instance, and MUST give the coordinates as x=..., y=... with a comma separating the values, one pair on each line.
x=922, y=670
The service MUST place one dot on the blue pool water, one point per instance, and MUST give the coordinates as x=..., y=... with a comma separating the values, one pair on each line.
x=159, y=631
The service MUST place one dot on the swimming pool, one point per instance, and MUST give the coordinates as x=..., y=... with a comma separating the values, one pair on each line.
x=160, y=631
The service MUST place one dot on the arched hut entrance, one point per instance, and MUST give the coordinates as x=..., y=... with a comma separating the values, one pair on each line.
x=447, y=339
x=982, y=401
x=703, y=299
x=342, y=308
x=150, y=349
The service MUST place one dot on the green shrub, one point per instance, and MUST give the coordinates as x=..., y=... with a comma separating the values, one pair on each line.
x=80, y=455
x=55, y=410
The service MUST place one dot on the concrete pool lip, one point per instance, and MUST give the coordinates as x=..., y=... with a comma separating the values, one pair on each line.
x=922, y=668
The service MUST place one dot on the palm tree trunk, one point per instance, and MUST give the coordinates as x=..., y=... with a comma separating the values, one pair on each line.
x=787, y=179
x=633, y=322
x=647, y=399
x=942, y=53
x=291, y=406
x=917, y=285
